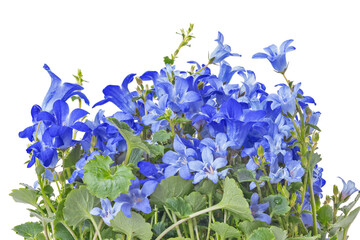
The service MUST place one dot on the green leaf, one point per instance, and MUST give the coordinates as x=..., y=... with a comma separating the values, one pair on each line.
x=62, y=233
x=279, y=233
x=136, y=156
x=196, y=200
x=59, y=215
x=244, y=175
x=73, y=157
x=158, y=228
x=181, y=120
x=305, y=238
x=249, y=227
x=132, y=227
x=178, y=205
x=170, y=187
x=155, y=150
x=234, y=201
x=262, y=234
x=225, y=231
x=78, y=205
x=105, y=182
x=29, y=229
x=325, y=215
x=315, y=159
x=279, y=205
x=207, y=187
x=132, y=141
x=313, y=126
x=348, y=207
x=161, y=136
x=167, y=60
x=347, y=221
x=179, y=238
x=24, y=195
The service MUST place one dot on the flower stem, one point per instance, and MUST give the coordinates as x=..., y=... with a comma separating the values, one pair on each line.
x=96, y=228
x=206, y=210
x=191, y=229
x=100, y=223
x=69, y=229
x=312, y=202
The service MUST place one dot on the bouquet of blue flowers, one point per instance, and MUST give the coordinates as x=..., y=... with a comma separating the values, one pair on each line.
x=189, y=155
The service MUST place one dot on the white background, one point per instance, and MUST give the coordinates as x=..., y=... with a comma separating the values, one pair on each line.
x=109, y=39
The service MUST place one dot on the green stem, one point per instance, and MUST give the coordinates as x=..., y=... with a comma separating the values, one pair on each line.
x=99, y=227
x=127, y=157
x=172, y=127
x=69, y=229
x=312, y=202
x=209, y=223
x=196, y=229
x=177, y=226
x=201, y=69
x=191, y=229
x=206, y=210
x=96, y=227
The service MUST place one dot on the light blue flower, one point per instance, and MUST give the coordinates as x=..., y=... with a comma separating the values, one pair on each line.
x=221, y=51
x=293, y=170
x=178, y=160
x=207, y=168
x=285, y=98
x=60, y=91
x=277, y=57
x=348, y=189
x=257, y=210
x=107, y=212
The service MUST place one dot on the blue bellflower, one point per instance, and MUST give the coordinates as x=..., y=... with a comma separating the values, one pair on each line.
x=60, y=91
x=107, y=212
x=207, y=168
x=348, y=189
x=221, y=51
x=285, y=98
x=257, y=210
x=277, y=57
x=136, y=198
x=178, y=160
x=120, y=96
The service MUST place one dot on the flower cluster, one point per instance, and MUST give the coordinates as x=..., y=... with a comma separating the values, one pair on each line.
x=176, y=137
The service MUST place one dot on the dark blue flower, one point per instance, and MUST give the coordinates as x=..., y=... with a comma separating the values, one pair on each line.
x=136, y=198
x=277, y=57
x=178, y=160
x=257, y=210
x=207, y=168
x=120, y=96
x=108, y=212
x=221, y=51
x=153, y=172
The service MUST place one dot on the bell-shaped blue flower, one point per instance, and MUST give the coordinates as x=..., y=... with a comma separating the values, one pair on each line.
x=120, y=96
x=136, y=198
x=293, y=170
x=348, y=189
x=277, y=57
x=207, y=168
x=221, y=51
x=108, y=212
x=60, y=91
x=257, y=210
x=153, y=172
x=179, y=160
x=285, y=99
